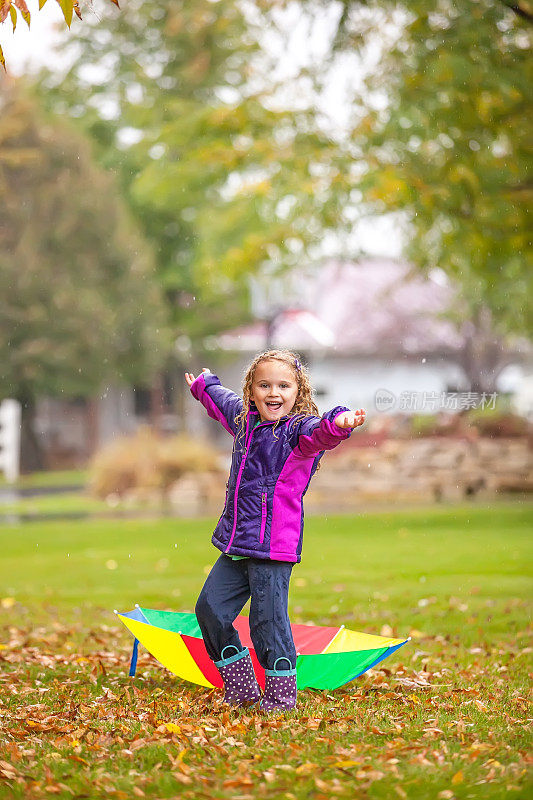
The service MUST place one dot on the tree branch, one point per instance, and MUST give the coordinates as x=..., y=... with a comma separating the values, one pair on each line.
x=521, y=9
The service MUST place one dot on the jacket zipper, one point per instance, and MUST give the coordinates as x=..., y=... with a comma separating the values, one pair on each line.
x=238, y=481
x=263, y=516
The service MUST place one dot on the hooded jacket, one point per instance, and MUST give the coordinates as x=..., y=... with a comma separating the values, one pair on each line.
x=270, y=471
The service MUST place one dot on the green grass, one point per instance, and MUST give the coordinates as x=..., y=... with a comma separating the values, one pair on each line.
x=57, y=504
x=67, y=477
x=444, y=717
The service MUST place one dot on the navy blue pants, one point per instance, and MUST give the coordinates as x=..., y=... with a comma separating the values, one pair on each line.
x=226, y=590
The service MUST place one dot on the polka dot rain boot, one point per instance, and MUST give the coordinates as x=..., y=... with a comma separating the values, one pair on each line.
x=280, y=687
x=240, y=683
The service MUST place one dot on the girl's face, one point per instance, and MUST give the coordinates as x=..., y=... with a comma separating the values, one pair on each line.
x=274, y=390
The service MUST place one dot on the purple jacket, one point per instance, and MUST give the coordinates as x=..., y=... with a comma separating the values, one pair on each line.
x=270, y=472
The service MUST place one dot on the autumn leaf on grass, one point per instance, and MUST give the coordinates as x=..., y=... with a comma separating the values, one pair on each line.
x=305, y=769
x=172, y=727
x=458, y=778
x=8, y=770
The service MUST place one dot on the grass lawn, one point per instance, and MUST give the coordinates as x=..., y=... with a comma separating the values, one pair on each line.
x=445, y=717
x=67, y=477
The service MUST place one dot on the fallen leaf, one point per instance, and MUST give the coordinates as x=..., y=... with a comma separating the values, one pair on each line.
x=172, y=727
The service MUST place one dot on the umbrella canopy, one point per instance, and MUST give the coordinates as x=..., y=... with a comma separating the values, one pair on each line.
x=328, y=657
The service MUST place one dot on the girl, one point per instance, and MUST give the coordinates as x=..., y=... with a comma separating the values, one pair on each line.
x=279, y=440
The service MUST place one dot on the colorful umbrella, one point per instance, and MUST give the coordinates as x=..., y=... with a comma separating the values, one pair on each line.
x=327, y=657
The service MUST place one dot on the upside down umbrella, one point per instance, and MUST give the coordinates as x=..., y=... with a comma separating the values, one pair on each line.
x=327, y=657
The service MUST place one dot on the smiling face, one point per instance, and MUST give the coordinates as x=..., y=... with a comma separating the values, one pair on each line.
x=274, y=390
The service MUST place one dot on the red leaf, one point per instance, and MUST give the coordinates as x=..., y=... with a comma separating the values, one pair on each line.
x=5, y=5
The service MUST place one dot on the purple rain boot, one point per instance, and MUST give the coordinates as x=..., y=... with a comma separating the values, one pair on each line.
x=280, y=687
x=240, y=683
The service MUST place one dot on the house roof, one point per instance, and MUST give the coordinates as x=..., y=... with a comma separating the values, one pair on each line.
x=377, y=306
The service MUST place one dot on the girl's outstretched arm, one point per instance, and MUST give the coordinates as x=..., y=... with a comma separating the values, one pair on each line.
x=313, y=435
x=221, y=404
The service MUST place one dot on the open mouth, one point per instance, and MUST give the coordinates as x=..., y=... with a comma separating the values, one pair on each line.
x=273, y=406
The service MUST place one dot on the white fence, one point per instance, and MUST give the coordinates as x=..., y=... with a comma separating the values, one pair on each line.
x=10, y=414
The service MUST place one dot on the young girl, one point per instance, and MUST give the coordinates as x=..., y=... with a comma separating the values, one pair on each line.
x=279, y=440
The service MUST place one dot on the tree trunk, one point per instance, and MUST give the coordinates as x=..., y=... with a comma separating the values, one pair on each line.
x=484, y=354
x=32, y=457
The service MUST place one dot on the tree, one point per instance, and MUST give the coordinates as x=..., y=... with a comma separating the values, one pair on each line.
x=80, y=304
x=445, y=130
x=219, y=179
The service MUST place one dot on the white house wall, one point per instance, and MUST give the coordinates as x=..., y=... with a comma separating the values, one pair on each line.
x=354, y=381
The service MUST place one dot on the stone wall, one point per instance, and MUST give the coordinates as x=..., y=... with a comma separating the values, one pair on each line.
x=420, y=470
x=360, y=474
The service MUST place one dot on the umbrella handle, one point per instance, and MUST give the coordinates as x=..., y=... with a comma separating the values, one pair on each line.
x=133, y=662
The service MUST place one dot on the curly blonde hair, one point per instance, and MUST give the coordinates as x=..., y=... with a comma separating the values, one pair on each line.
x=304, y=404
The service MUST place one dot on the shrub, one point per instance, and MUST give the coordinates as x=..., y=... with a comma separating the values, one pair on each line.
x=492, y=422
x=148, y=461
x=440, y=424
x=497, y=423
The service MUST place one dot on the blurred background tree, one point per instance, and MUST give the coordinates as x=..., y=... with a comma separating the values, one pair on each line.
x=223, y=178
x=219, y=177
x=80, y=304
x=443, y=123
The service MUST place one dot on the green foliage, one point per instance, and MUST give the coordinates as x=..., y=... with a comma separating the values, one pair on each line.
x=497, y=422
x=451, y=149
x=222, y=181
x=218, y=179
x=79, y=302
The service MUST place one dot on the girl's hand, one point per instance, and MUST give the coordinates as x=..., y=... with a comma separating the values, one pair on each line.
x=350, y=419
x=189, y=377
